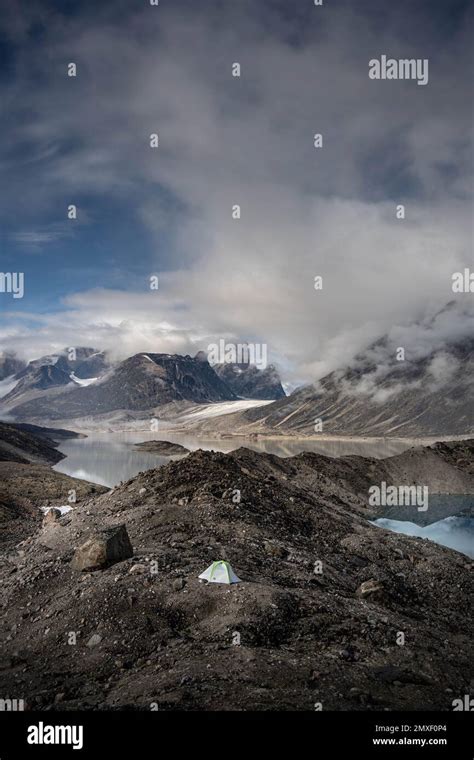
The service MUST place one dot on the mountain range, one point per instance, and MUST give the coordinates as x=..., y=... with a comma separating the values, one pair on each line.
x=431, y=396
x=415, y=382
x=54, y=387
x=409, y=384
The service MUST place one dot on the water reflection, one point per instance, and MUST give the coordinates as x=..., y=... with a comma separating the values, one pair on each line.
x=453, y=532
x=110, y=458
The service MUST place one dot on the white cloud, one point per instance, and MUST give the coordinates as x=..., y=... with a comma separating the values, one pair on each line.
x=222, y=141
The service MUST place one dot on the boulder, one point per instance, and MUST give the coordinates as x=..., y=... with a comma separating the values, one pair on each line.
x=51, y=516
x=370, y=588
x=104, y=548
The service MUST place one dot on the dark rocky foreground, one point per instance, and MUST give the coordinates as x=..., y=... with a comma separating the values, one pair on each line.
x=144, y=632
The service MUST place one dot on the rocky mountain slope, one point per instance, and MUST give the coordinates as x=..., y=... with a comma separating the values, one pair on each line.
x=18, y=444
x=88, y=363
x=140, y=383
x=50, y=373
x=316, y=621
x=51, y=434
x=247, y=381
x=36, y=390
x=22, y=442
x=429, y=396
x=36, y=378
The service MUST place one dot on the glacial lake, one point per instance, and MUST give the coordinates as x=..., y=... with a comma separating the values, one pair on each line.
x=110, y=458
x=453, y=532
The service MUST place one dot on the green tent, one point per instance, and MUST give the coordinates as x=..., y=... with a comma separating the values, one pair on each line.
x=220, y=572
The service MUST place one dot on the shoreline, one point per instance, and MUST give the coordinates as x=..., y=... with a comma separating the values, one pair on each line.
x=183, y=431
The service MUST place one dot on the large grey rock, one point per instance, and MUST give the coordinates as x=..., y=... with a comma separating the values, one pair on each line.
x=105, y=548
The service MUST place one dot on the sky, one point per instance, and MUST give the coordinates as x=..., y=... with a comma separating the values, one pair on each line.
x=224, y=140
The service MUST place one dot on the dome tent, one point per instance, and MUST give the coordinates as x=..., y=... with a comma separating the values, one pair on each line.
x=220, y=572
